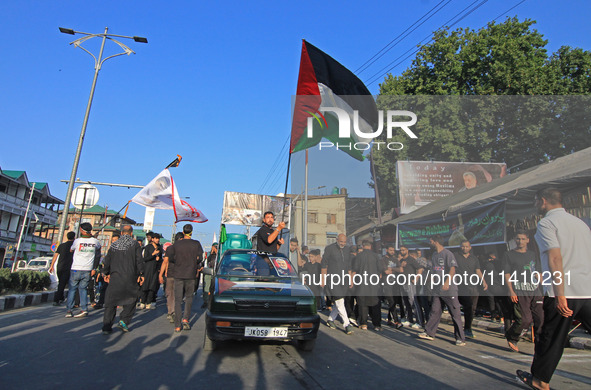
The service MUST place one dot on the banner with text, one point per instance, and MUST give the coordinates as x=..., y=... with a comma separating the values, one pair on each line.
x=483, y=225
x=422, y=182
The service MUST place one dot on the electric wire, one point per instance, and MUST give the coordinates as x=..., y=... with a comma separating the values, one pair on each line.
x=400, y=37
x=445, y=26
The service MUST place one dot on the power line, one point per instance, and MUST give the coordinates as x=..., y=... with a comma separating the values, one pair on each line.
x=274, y=166
x=466, y=11
x=373, y=79
x=400, y=37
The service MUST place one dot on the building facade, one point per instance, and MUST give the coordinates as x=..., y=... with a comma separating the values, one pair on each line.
x=17, y=195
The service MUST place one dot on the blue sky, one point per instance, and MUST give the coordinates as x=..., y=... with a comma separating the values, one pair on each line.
x=214, y=84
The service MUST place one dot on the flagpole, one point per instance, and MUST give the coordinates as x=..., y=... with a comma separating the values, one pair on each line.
x=375, y=188
x=285, y=192
x=305, y=218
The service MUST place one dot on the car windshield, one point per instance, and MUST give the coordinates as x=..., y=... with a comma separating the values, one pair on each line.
x=255, y=264
x=37, y=263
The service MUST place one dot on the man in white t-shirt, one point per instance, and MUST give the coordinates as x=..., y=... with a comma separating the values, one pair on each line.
x=565, y=248
x=87, y=255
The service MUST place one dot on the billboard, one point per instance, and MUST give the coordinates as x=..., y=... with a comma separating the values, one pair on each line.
x=247, y=209
x=422, y=182
x=483, y=225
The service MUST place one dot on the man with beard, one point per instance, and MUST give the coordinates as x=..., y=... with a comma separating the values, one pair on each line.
x=391, y=290
x=369, y=266
x=268, y=238
x=152, y=259
x=565, y=243
x=337, y=261
x=122, y=269
x=444, y=292
x=468, y=265
x=519, y=265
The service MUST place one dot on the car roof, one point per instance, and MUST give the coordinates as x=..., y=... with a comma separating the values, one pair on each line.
x=234, y=251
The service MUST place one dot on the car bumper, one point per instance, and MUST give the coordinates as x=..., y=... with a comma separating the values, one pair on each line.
x=238, y=322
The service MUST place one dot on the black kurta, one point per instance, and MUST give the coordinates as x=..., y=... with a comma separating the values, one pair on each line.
x=151, y=267
x=368, y=263
x=123, y=264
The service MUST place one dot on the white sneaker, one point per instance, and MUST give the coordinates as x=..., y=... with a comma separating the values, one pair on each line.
x=141, y=306
x=405, y=323
x=425, y=336
x=415, y=326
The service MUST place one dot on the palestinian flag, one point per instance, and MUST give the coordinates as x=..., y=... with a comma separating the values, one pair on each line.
x=325, y=83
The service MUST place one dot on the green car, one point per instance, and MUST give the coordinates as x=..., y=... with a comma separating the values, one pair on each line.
x=258, y=296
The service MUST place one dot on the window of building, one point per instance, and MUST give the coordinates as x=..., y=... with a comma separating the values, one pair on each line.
x=331, y=219
x=312, y=217
x=331, y=238
x=311, y=239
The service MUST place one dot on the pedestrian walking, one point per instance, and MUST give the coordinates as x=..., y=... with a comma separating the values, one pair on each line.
x=123, y=270
x=565, y=244
x=86, y=257
x=187, y=255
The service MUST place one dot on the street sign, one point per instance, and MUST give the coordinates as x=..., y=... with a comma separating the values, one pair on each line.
x=53, y=247
x=85, y=195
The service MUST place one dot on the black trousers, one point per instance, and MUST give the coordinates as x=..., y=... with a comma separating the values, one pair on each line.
x=183, y=288
x=392, y=313
x=550, y=345
x=63, y=279
x=526, y=311
x=125, y=316
x=374, y=311
x=468, y=302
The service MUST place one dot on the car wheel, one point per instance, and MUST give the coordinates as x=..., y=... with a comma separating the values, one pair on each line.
x=306, y=345
x=209, y=344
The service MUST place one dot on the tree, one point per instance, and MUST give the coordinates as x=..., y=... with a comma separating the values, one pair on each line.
x=488, y=95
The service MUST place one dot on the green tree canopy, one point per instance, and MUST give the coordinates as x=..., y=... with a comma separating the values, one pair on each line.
x=445, y=86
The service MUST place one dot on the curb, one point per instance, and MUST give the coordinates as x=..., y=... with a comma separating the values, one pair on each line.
x=577, y=340
x=8, y=302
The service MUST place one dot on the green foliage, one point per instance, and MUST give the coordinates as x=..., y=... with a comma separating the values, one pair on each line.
x=501, y=59
x=23, y=281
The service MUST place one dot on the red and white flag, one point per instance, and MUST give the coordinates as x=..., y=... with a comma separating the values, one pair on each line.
x=161, y=193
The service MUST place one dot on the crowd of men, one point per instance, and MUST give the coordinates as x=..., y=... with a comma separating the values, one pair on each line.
x=545, y=284
x=129, y=275
x=512, y=286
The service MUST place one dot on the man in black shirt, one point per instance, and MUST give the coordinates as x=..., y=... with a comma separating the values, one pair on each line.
x=468, y=265
x=337, y=261
x=519, y=264
x=63, y=267
x=267, y=237
x=187, y=256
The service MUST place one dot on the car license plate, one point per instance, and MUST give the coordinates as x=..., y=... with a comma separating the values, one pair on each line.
x=260, y=331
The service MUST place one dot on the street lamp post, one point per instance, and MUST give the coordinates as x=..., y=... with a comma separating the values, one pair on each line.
x=98, y=62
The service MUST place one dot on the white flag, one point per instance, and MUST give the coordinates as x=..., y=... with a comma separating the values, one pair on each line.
x=158, y=192
x=161, y=193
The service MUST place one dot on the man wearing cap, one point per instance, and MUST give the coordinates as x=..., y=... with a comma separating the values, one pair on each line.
x=122, y=269
x=86, y=258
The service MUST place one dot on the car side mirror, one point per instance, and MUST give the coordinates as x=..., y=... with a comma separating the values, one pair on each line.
x=207, y=271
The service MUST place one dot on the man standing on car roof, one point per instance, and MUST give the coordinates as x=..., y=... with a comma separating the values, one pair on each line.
x=268, y=238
